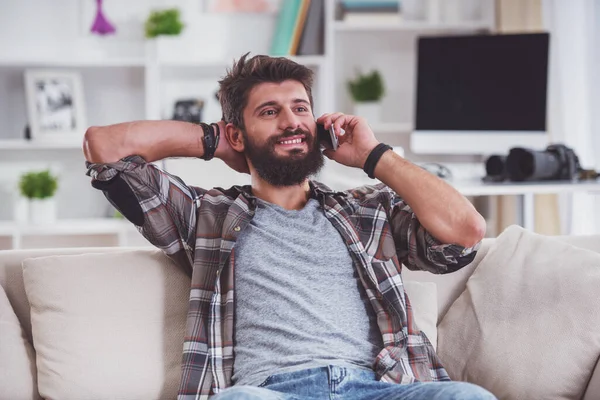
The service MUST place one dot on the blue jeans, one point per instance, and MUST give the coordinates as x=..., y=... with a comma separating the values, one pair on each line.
x=334, y=382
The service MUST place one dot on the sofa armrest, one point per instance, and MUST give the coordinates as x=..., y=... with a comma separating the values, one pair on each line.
x=593, y=388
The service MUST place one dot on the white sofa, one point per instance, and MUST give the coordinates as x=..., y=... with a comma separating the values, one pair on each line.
x=19, y=378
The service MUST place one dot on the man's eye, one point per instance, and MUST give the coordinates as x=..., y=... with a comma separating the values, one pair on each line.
x=269, y=112
x=302, y=109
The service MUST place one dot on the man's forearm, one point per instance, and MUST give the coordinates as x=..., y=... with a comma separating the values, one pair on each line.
x=442, y=210
x=153, y=140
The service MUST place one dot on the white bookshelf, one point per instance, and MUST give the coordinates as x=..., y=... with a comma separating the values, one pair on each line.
x=139, y=84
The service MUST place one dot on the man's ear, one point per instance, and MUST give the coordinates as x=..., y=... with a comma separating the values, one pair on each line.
x=234, y=137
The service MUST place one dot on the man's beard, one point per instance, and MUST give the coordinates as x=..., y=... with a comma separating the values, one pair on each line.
x=289, y=170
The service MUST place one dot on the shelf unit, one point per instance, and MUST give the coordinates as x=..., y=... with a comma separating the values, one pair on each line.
x=346, y=45
x=328, y=97
x=120, y=229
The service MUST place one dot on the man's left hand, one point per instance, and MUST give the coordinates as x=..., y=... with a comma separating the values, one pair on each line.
x=355, y=143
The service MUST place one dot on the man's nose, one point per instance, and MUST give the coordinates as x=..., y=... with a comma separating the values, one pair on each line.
x=289, y=120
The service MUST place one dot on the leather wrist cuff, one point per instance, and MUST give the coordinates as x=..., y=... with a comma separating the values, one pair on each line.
x=374, y=157
x=209, y=141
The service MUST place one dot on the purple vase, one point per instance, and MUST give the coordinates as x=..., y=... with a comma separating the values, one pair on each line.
x=101, y=25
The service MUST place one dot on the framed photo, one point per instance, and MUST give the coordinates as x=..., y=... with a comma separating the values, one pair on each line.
x=55, y=105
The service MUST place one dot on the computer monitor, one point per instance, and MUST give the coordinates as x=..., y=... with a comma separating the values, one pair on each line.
x=481, y=94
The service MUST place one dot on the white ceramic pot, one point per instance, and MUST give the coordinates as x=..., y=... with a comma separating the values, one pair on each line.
x=42, y=211
x=414, y=10
x=21, y=210
x=370, y=110
x=458, y=11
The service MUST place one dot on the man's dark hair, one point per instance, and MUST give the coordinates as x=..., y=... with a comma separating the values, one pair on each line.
x=247, y=73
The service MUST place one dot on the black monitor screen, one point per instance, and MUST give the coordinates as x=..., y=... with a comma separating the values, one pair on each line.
x=485, y=82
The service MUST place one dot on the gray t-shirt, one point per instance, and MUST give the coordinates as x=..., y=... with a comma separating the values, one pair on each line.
x=299, y=302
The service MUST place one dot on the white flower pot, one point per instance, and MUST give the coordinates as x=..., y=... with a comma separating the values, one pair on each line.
x=370, y=110
x=42, y=211
x=21, y=210
x=414, y=10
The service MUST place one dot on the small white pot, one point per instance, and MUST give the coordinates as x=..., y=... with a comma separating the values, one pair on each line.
x=42, y=211
x=21, y=210
x=414, y=10
x=370, y=110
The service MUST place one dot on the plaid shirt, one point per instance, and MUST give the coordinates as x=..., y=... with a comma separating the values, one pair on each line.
x=198, y=228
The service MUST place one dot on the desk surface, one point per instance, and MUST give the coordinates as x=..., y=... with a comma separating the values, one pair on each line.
x=476, y=187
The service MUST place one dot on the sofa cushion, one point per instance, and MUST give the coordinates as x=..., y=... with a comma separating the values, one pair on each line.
x=423, y=299
x=107, y=325
x=17, y=358
x=527, y=326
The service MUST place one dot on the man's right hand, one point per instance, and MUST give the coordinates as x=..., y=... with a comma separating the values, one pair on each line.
x=234, y=159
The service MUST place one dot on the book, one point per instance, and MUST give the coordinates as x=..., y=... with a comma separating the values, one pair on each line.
x=299, y=28
x=357, y=5
x=312, y=40
x=285, y=27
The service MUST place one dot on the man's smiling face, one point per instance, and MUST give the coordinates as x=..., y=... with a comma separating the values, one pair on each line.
x=280, y=133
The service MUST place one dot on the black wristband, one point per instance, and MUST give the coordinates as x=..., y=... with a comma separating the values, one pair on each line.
x=209, y=142
x=374, y=157
x=217, y=135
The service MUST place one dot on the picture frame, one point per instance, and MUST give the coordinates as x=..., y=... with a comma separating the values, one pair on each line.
x=55, y=105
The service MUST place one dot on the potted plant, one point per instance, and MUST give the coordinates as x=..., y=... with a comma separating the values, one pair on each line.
x=367, y=90
x=39, y=187
x=163, y=22
x=163, y=29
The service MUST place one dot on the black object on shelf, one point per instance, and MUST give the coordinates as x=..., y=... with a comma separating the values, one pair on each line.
x=188, y=110
x=556, y=162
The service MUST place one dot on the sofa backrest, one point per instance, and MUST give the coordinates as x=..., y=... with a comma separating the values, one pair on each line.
x=450, y=286
x=11, y=276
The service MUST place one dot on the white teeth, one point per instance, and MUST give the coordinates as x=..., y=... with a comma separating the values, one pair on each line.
x=293, y=141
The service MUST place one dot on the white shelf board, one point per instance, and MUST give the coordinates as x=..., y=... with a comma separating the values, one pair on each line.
x=96, y=226
x=74, y=63
x=416, y=26
x=22, y=144
x=476, y=187
x=311, y=61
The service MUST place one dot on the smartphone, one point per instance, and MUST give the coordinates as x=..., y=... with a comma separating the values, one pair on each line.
x=327, y=137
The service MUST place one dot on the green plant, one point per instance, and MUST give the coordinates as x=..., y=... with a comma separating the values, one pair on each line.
x=163, y=22
x=38, y=185
x=369, y=87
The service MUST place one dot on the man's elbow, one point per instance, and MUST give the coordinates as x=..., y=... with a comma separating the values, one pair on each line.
x=474, y=230
x=95, y=148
